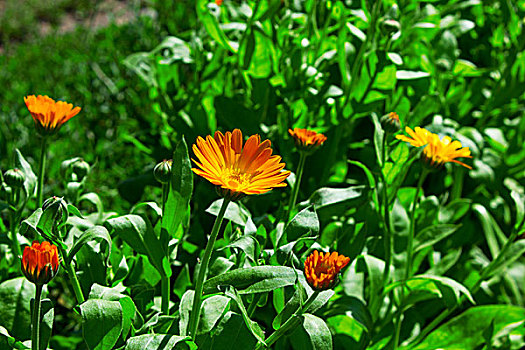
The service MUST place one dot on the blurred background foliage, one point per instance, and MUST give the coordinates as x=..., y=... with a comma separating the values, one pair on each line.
x=148, y=72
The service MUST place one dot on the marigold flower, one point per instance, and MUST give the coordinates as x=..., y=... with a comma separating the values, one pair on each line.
x=238, y=169
x=321, y=269
x=436, y=152
x=40, y=262
x=307, y=140
x=49, y=115
x=219, y=2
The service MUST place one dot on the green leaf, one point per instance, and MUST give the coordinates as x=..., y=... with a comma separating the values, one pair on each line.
x=159, y=342
x=254, y=328
x=466, y=330
x=185, y=306
x=15, y=314
x=318, y=332
x=231, y=334
x=212, y=309
x=256, y=279
x=304, y=224
x=93, y=233
x=30, y=177
x=181, y=188
x=433, y=234
x=249, y=245
x=368, y=173
x=29, y=225
x=138, y=233
x=101, y=323
x=212, y=26
x=234, y=212
x=514, y=252
x=7, y=341
x=335, y=201
x=410, y=75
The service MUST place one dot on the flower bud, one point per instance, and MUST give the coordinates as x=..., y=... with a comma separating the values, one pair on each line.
x=390, y=123
x=390, y=27
x=81, y=168
x=14, y=178
x=55, y=208
x=162, y=171
x=40, y=262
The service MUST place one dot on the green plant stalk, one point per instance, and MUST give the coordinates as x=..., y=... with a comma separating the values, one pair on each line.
x=165, y=280
x=35, y=331
x=14, y=238
x=203, y=269
x=41, y=171
x=75, y=283
x=412, y=227
x=292, y=322
x=437, y=320
x=297, y=184
x=386, y=219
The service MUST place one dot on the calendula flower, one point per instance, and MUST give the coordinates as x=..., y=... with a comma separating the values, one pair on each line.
x=436, y=152
x=40, y=262
x=219, y=2
x=321, y=269
x=390, y=122
x=49, y=115
x=238, y=169
x=307, y=140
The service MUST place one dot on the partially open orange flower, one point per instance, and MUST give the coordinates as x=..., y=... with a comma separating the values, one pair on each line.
x=307, y=140
x=49, y=115
x=40, y=262
x=436, y=152
x=238, y=169
x=321, y=269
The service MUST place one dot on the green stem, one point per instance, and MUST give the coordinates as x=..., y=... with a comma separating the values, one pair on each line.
x=203, y=269
x=411, y=231
x=386, y=219
x=35, y=335
x=14, y=238
x=297, y=184
x=165, y=281
x=74, y=282
x=41, y=171
x=292, y=322
x=253, y=304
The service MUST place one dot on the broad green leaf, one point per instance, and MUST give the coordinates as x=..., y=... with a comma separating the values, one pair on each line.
x=15, y=314
x=247, y=244
x=101, y=323
x=93, y=233
x=368, y=173
x=254, y=328
x=230, y=334
x=347, y=326
x=433, y=234
x=318, y=332
x=515, y=251
x=94, y=199
x=159, y=342
x=466, y=330
x=138, y=233
x=212, y=309
x=8, y=342
x=256, y=279
x=185, y=306
x=335, y=201
x=29, y=225
x=181, y=189
x=235, y=212
x=305, y=223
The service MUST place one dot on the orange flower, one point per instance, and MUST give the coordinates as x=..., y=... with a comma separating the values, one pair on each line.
x=307, y=140
x=218, y=2
x=436, y=152
x=49, y=115
x=238, y=169
x=321, y=269
x=40, y=262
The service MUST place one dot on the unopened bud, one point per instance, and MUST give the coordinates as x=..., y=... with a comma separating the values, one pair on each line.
x=81, y=168
x=390, y=27
x=390, y=123
x=162, y=171
x=55, y=209
x=14, y=178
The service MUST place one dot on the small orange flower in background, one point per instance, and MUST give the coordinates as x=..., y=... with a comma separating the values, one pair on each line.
x=307, y=140
x=49, y=115
x=436, y=152
x=321, y=269
x=238, y=169
x=40, y=262
x=219, y=2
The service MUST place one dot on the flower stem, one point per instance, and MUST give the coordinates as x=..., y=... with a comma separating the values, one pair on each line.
x=14, y=238
x=35, y=334
x=203, y=269
x=410, y=244
x=297, y=184
x=41, y=171
x=292, y=322
x=75, y=284
x=386, y=219
x=165, y=281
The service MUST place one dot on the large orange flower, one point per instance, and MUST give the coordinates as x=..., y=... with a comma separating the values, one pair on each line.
x=436, y=152
x=321, y=269
x=40, y=262
x=238, y=169
x=49, y=115
x=307, y=140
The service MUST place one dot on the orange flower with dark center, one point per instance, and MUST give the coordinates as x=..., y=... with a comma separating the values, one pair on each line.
x=321, y=269
x=307, y=140
x=436, y=152
x=236, y=168
x=40, y=262
x=49, y=115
